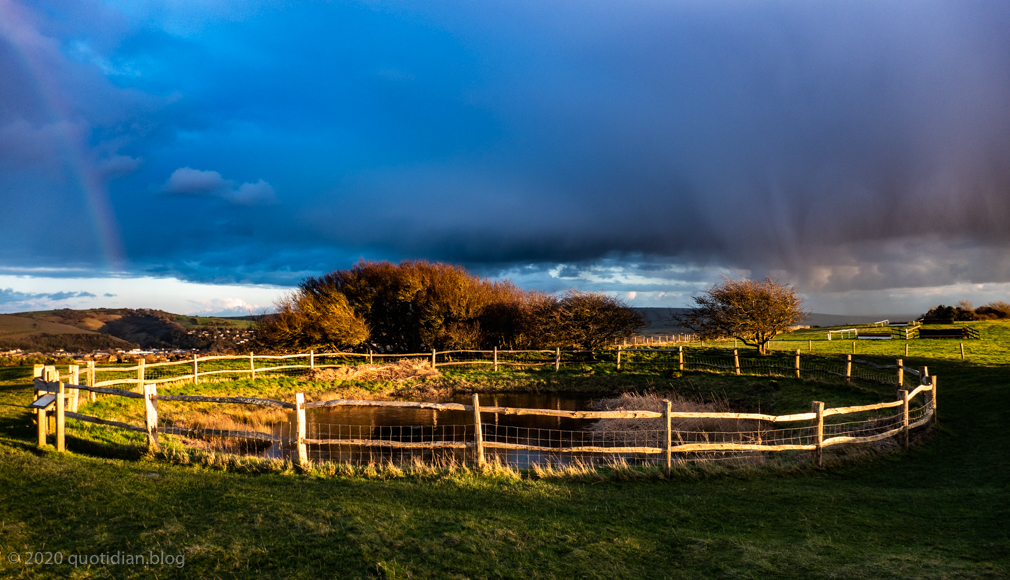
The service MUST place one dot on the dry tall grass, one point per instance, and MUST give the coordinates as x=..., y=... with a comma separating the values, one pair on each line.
x=679, y=404
x=402, y=370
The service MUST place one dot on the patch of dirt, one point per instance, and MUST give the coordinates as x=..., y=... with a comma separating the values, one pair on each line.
x=402, y=370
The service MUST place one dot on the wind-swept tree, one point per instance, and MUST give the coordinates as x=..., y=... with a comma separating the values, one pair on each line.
x=753, y=312
x=590, y=320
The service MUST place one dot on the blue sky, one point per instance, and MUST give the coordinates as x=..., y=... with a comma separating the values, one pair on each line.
x=206, y=156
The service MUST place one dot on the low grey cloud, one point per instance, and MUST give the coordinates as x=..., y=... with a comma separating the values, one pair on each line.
x=257, y=193
x=189, y=181
x=9, y=296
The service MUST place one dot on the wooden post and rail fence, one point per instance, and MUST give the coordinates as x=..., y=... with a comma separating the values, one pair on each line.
x=53, y=395
x=254, y=366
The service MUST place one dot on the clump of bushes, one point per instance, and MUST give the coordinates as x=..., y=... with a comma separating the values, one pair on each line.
x=963, y=311
x=47, y=342
x=34, y=359
x=415, y=306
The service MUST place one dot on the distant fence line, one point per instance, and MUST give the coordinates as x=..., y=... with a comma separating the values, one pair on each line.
x=253, y=365
x=53, y=395
x=899, y=331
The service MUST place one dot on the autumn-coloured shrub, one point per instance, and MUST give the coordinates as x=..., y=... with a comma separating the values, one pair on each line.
x=416, y=306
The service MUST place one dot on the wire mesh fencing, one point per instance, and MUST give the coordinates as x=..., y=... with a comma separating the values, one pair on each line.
x=317, y=438
x=524, y=438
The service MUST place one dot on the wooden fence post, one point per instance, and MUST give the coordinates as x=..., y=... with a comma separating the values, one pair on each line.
x=618, y=358
x=370, y=355
x=962, y=350
x=151, y=416
x=75, y=379
x=496, y=359
x=40, y=415
x=312, y=359
x=810, y=346
x=432, y=358
x=680, y=357
x=669, y=438
x=92, y=396
x=303, y=451
x=853, y=347
x=140, y=371
x=736, y=362
x=196, y=368
x=848, y=367
x=819, y=432
x=797, y=363
x=61, y=443
x=478, y=435
x=906, y=346
x=903, y=395
x=252, y=366
x=557, y=358
x=43, y=425
x=932, y=381
x=901, y=373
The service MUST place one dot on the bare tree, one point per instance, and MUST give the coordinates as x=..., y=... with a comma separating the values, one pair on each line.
x=753, y=312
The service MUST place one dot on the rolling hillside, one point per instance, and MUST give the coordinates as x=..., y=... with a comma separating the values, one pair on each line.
x=144, y=327
x=19, y=332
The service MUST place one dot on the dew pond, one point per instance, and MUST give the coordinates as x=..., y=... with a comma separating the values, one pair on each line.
x=422, y=426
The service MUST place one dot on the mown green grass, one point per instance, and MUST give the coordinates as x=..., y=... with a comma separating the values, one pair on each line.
x=938, y=511
x=993, y=348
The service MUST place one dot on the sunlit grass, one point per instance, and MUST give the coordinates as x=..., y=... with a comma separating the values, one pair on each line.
x=939, y=511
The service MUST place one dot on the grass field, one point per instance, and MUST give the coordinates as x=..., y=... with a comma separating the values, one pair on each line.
x=938, y=511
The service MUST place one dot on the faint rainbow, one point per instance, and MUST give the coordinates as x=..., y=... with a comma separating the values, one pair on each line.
x=27, y=43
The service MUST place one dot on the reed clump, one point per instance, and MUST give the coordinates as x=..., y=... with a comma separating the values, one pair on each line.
x=678, y=404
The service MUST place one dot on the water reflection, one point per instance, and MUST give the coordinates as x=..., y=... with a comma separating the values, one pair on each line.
x=454, y=429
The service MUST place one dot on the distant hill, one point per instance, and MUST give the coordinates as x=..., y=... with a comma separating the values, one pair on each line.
x=144, y=327
x=18, y=332
x=659, y=323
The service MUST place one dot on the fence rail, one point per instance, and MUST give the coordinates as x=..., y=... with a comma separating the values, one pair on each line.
x=253, y=366
x=479, y=437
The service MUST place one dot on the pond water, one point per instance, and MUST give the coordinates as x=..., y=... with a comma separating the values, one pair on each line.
x=427, y=425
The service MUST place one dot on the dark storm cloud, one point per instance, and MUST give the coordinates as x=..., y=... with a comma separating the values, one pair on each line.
x=837, y=145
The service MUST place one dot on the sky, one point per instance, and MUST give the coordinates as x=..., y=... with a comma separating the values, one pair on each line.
x=204, y=157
